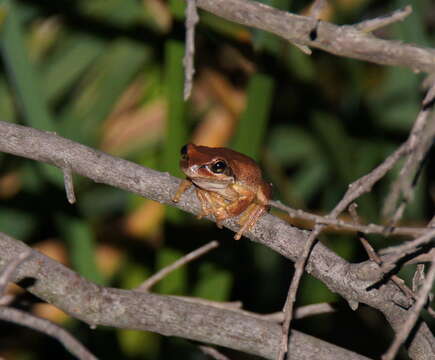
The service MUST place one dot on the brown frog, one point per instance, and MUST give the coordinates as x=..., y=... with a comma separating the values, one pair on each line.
x=227, y=184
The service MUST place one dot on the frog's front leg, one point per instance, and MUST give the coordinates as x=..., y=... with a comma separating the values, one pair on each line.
x=212, y=203
x=184, y=185
x=204, y=201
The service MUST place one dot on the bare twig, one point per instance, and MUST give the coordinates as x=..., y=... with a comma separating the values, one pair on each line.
x=422, y=258
x=344, y=225
x=365, y=183
x=382, y=21
x=277, y=317
x=66, y=339
x=317, y=7
x=418, y=278
x=419, y=141
x=414, y=313
x=291, y=296
x=375, y=258
x=430, y=95
x=26, y=319
x=313, y=309
x=151, y=281
x=192, y=19
x=213, y=353
x=6, y=299
x=69, y=185
x=355, y=190
x=228, y=305
x=404, y=249
x=7, y=272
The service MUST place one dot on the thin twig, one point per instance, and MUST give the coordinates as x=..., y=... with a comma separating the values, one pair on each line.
x=313, y=309
x=419, y=259
x=10, y=268
x=69, y=185
x=355, y=190
x=228, y=305
x=382, y=21
x=414, y=313
x=373, y=256
x=430, y=95
x=151, y=281
x=344, y=225
x=66, y=339
x=277, y=317
x=364, y=184
x=376, y=259
x=316, y=8
x=417, y=144
x=188, y=61
x=291, y=296
x=418, y=278
x=404, y=249
x=7, y=299
x=212, y=352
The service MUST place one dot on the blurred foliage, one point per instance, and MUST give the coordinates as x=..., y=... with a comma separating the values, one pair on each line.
x=109, y=74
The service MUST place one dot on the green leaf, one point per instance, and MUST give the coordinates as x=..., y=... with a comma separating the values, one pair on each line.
x=102, y=87
x=291, y=145
x=176, y=132
x=252, y=124
x=17, y=223
x=135, y=343
x=81, y=243
x=24, y=79
x=66, y=66
x=178, y=8
x=101, y=201
x=336, y=141
x=310, y=178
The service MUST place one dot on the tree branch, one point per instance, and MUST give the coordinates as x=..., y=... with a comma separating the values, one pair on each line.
x=165, y=315
x=33, y=322
x=341, y=277
x=348, y=41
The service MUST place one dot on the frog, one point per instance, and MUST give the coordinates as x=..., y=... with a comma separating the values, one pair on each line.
x=227, y=184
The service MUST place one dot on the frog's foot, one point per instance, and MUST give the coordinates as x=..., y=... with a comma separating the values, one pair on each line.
x=249, y=218
x=184, y=185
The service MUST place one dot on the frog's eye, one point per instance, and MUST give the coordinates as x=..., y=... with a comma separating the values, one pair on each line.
x=219, y=167
x=183, y=152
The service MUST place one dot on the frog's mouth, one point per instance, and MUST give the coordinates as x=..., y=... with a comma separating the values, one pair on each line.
x=210, y=185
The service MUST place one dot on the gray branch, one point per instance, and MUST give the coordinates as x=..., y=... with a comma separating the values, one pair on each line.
x=340, y=276
x=348, y=41
x=165, y=315
x=33, y=322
